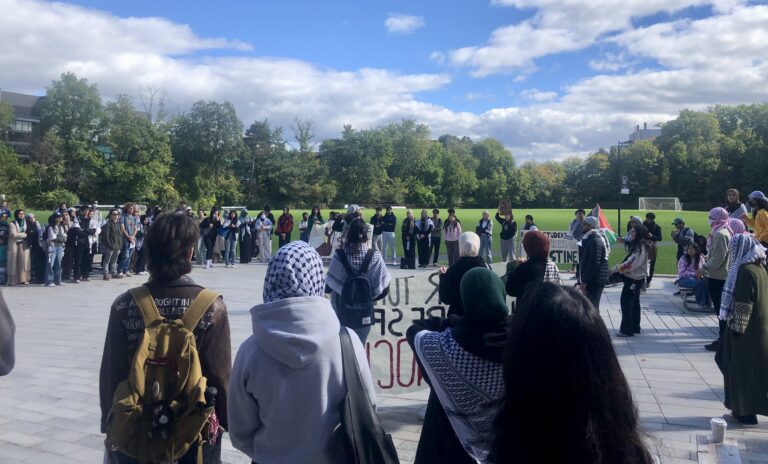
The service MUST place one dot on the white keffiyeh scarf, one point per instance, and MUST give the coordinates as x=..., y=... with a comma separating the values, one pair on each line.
x=744, y=249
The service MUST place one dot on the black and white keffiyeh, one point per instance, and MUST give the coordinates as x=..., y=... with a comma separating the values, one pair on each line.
x=378, y=274
x=296, y=270
x=552, y=273
x=469, y=388
x=744, y=249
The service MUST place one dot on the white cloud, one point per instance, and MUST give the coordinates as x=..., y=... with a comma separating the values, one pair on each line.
x=538, y=95
x=725, y=42
x=437, y=57
x=612, y=62
x=403, y=24
x=557, y=26
x=728, y=66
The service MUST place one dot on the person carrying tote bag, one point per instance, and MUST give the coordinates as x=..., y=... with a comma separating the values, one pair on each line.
x=365, y=440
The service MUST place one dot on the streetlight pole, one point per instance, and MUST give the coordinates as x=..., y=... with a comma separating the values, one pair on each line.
x=622, y=183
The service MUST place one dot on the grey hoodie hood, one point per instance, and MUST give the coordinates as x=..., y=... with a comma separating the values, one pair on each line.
x=294, y=331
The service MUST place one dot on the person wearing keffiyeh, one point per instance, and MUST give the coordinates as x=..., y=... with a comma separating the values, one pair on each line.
x=355, y=247
x=744, y=347
x=718, y=259
x=287, y=380
x=461, y=359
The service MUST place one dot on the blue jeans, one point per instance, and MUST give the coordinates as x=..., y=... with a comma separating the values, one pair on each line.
x=700, y=289
x=125, y=257
x=53, y=269
x=230, y=244
x=388, y=239
x=486, y=241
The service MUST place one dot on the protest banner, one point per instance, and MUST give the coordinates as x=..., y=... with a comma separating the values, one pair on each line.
x=413, y=296
x=563, y=249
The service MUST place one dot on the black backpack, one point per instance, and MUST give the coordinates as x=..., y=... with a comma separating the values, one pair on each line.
x=356, y=301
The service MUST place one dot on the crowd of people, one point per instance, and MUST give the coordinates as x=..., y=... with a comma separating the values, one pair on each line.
x=511, y=372
x=498, y=375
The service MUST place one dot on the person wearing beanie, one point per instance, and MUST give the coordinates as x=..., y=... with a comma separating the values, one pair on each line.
x=654, y=234
x=536, y=269
x=593, y=261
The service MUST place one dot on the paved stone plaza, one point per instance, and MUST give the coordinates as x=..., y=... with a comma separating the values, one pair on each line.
x=50, y=406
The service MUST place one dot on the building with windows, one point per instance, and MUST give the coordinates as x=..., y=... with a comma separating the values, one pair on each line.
x=26, y=110
x=644, y=134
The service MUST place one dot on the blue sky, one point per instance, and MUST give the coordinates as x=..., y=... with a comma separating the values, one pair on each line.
x=549, y=78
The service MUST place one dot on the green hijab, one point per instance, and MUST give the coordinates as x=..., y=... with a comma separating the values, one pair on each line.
x=482, y=330
x=482, y=294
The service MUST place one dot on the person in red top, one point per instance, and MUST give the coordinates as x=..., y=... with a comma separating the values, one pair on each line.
x=284, y=227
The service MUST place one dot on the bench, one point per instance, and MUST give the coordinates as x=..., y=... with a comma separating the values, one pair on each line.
x=689, y=301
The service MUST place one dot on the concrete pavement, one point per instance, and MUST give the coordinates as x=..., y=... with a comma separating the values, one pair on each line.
x=50, y=407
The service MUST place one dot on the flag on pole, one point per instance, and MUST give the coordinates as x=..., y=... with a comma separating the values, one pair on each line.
x=605, y=226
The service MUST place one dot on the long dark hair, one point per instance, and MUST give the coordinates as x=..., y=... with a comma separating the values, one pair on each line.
x=760, y=203
x=565, y=393
x=168, y=243
x=696, y=247
x=641, y=240
x=357, y=232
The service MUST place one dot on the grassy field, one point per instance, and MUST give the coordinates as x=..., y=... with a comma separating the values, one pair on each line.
x=560, y=219
x=545, y=219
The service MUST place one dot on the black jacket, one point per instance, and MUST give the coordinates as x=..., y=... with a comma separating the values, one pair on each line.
x=526, y=273
x=653, y=230
x=593, y=264
x=388, y=222
x=508, y=228
x=376, y=222
x=449, y=289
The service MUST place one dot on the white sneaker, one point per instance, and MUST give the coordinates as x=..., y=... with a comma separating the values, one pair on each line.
x=232, y=266
x=226, y=266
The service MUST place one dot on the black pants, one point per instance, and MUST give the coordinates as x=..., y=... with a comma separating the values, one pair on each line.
x=68, y=261
x=435, y=249
x=283, y=241
x=650, y=271
x=409, y=249
x=424, y=251
x=39, y=260
x=141, y=260
x=630, y=306
x=716, y=294
x=210, y=242
x=79, y=262
x=594, y=294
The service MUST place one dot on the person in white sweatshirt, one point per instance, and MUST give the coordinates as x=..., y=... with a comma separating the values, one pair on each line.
x=287, y=381
x=634, y=270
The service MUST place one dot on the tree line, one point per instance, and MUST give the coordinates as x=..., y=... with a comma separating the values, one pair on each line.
x=85, y=150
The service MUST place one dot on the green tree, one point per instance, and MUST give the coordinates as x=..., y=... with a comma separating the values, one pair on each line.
x=206, y=142
x=359, y=161
x=16, y=176
x=6, y=118
x=72, y=111
x=139, y=169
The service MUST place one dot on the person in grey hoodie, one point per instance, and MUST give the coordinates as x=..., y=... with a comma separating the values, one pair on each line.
x=288, y=381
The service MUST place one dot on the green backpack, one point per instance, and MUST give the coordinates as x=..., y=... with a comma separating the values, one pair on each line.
x=159, y=412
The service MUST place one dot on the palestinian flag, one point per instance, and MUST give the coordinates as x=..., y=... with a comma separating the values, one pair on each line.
x=605, y=226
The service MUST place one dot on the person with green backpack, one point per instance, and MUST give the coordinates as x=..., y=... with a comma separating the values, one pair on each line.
x=167, y=359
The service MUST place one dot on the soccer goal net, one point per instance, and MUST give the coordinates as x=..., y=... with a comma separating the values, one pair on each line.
x=659, y=204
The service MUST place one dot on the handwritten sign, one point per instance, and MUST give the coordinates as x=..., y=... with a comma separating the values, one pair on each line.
x=563, y=249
